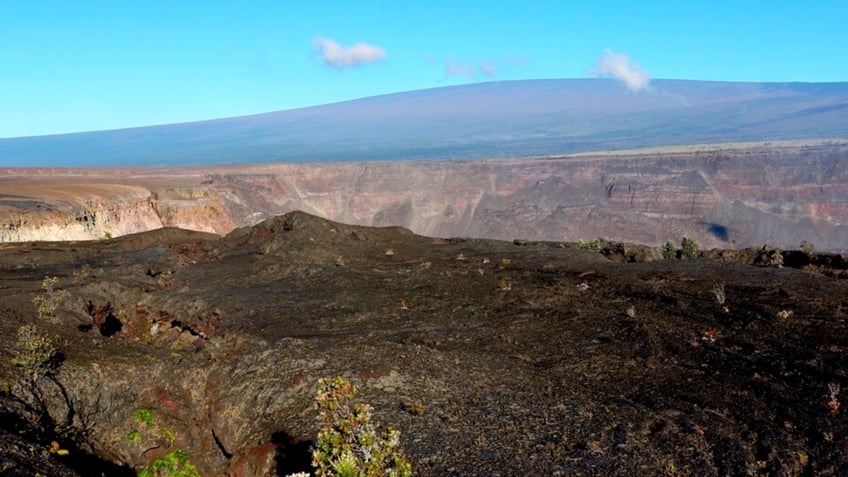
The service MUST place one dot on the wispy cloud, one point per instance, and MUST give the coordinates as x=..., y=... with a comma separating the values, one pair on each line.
x=620, y=67
x=488, y=67
x=459, y=68
x=340, y=56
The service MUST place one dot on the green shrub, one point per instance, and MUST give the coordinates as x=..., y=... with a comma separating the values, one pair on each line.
x=175, y=463
x=669, y=251
x=349, y=444
x=47, y=303
x=689, y=249
x=143, y=416
x=35, y=353
x=593, y=245
x=37, y=357
x=134, y=436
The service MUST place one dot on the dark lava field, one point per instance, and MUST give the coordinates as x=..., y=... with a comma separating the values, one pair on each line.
x=491, y=358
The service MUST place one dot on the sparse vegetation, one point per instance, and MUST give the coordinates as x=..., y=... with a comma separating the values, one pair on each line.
x=48, y=301
x=413, y=407
x=175, y=463
x=143, y=416
x=148, y=435
x=134, y=436
x=669, y=251
x=349, y=444
x=808, y=248
x=688, y=248
x=84, y=272
x=37, y=357
x=35, y=353
x=593, y=245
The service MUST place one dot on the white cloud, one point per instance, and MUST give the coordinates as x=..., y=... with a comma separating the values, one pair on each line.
x=621, y=68
x=340, y=56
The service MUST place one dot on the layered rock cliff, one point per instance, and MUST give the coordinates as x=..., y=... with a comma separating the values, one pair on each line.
x=721, y=197
x=46, y=210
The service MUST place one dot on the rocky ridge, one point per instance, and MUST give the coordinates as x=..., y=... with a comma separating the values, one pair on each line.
x=492, y=358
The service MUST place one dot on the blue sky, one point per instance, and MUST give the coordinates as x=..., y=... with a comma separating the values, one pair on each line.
x=68, y=66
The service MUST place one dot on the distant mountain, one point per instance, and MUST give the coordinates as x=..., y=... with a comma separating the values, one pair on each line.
x=496, y=119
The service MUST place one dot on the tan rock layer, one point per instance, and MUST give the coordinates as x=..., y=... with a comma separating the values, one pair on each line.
x=721, y=198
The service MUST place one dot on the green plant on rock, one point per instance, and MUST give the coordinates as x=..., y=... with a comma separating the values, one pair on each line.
x=689, y=249
x=134, y=436
x=169, y=435
x=148, y=436
x=143, y=416
x=593, y=245
x=173, y=464
x=35, y=353
x=36, y=357
x=48, y=301
x=349, y=444
x=669, y=251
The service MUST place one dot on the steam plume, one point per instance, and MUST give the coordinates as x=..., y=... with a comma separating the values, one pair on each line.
x=621, y=68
